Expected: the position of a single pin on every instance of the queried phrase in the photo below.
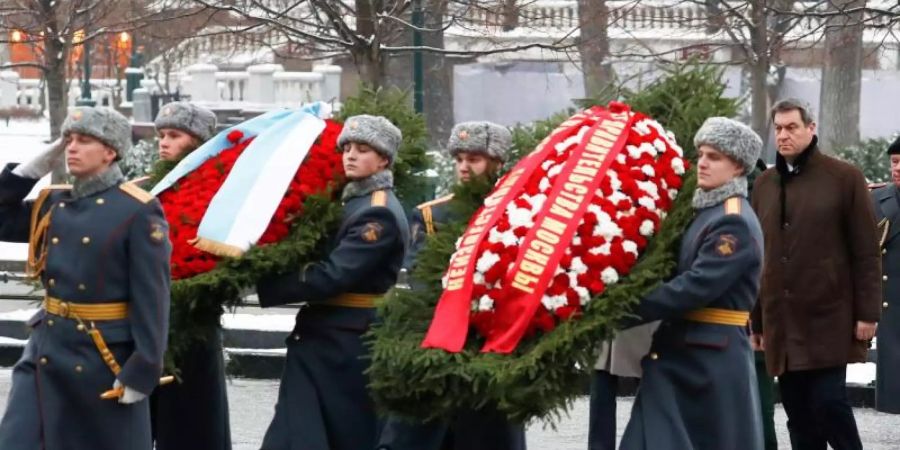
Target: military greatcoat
(323, 403)
(466, 430)
(106, 243)
(699, 385)
(887, 381)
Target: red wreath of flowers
(187, 200)
(626, 211)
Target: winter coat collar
(781, 163)
(705, 199)
(375, 182)
(91, 185)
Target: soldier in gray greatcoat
(101, 250)
(191, 413)
(479, 149)
(698, 389)
(887, 212)
(323, 403)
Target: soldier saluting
(101, 249)
(323, 403)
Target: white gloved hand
(43, 163)
(130, 395)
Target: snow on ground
(235, 321)
(862, 373)
(19, 315)
(20, 141)
(269, 322)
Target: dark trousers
(192, 414)
(602, 422)
(818, 409)
(766, 401)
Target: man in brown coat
(820, 296)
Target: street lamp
(418, 21)
(85, 100)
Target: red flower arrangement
(626, 210)
(185, 202)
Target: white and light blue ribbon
(241, 210)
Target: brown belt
(719, 316)
(86, 311)
(354, 300)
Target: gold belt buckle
(64, 309)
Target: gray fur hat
(187, 117)
(487, 138)
(732, 138)
(376, 131)
(105, 124)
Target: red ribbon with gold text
(450, 324)
(555, 226)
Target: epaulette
(379, 198)
(733, 205)
(58, 187)
(435, 202)
(139, 181)
(133, 190)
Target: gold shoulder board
(133, 190)
(379, 198)
(436, 201)
(733, 205)
(59, 187)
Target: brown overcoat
(822, 270)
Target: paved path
(252, 401)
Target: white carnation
(537, 202)
(621, 159)
(576, 240)
(649, 187)
(478, 278)
(552, 302)
(673, 193)
(659, 145)
(578, 265)
(678, 166)
(609, 276)
(487, 260)
(646, 228)
(642, 127)
(485, 303)
(494, 236)
(544, 185)
(631, 246)
(546, 165)
(607, 229)
(554, 171)
(601, 250)
(648, 170)
(584, 295)
(647, 202)
(509, 238)
(519, 217)
(648, 148)
(614, 181)
(633, 151)
(617, 196)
